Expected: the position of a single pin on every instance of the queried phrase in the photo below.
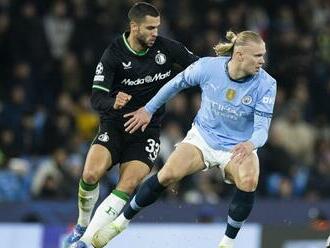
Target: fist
(121, 100)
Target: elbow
(259, 138)
(264, 139)
(94, 101)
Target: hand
(242, 150)
(121, 100)
(139, 118)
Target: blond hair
(240, 39)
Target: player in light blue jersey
(233, 121)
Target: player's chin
(151, 43)
(255, 71)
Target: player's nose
(262, 61)
(155, 33)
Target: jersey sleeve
(191, 76)
(262, 117)
(102, 83)
(181, 54)
(104, 73)
(265, 105)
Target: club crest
(246, 100)
(104, 137)
(160, 58)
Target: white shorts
(212, 158)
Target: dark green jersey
(138, 74)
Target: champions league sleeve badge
(99, 68)
(160, 58)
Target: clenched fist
(121, 100)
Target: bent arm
(261, 127)
(262, 117)
(101, 101)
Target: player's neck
(234, 71)
(135, 44)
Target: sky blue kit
(231, 111)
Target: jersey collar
(142, 53)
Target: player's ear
(239, 55)
(134, 26)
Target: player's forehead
(255, 47)
(150, 21)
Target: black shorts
(125, 147)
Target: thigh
(185, 160)
(97, 162)
(249, 168)
(110, 138)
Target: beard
(142, 41)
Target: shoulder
(173, 46)
(112, 51)
(222, 59)
(203, 67)
(114, 44)
(164, 41)
(266, 84)
(212, 62)
(266, 79)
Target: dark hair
(140, 10)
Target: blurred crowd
(48, 54)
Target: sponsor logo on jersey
(127, 65)
(160, 58)
(225, 110)
(99, 68)
(268, 99)
(230, 94)
(147, 79)
(104, 137)
(246, 100)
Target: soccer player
(232, 122)
(328, 242)
(131, 71)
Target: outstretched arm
(142, 116)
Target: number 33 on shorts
(152, 148)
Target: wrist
(251, 144)
(148, 110)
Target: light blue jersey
(231, 111)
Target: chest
(230, 98)
(153, 66)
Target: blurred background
(48, 54)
